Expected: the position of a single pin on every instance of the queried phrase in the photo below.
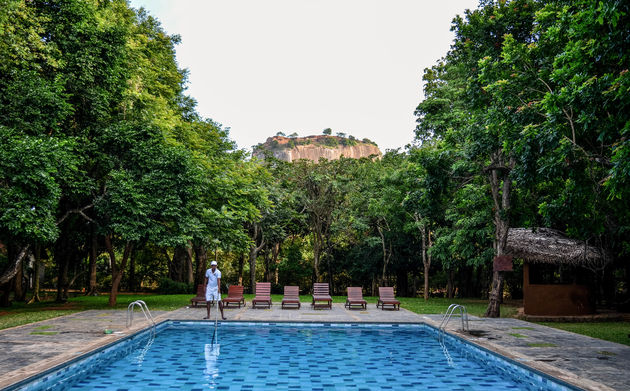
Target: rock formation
(315, 147)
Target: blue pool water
(182, 356)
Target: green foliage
(105, 141)
(33, 170)
(166, 286)
(294, 269)
(332, 142)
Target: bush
(167, 286)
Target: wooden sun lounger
(235, 296)
(355, 298)
(291, 296)
(386, 297)
(321, 293)
(263, 295)
(201, 296)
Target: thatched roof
(548, 245)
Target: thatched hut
(555, 271)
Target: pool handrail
(145, 310)
(449, 313)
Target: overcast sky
(355, 66)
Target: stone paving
(589, 363)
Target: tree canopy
(111, 179)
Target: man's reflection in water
(212, 352)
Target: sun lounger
(263, 295)
(235, 296)
(201, 296)
(321, 293)
(386, 297)
(355, 298)
(291, 296)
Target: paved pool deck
(588, 363)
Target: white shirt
(212, 279)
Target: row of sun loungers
(291, 298)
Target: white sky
(354, 66)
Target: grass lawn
(609, 331)
(21, 313)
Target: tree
(428, 177)
(484, 128)
(327, 131)
(322, 194)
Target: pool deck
(588, 363)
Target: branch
(13, 267)
(77, 211)
(570, 119)
(497, 167)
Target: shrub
(167, 286)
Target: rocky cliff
(315, 147)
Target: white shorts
(213, 295)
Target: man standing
(213, 288)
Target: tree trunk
(317, 248)
(501, 185)
(36, 266)
(386, 254)
(426, 256)
(402, 282)
(415, 286)
(13, 266)
(117, 270)
(190, 272)
(494, 306)
(267, 259)
(179, 266)
(201, 256)
(275, 251)
(449, 283)
(374, 285)
(92, 290)
(253, 253)
(62, 274)
(131, 283)
(19, 290)
(6, 293)
(241, 264)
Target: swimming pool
(284, 356)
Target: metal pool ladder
(145, 311)
(449, 313)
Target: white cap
(213, 263)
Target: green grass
(608, 331)
(21, 318)
(44, 333)
(21, 313)
(517, 335)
